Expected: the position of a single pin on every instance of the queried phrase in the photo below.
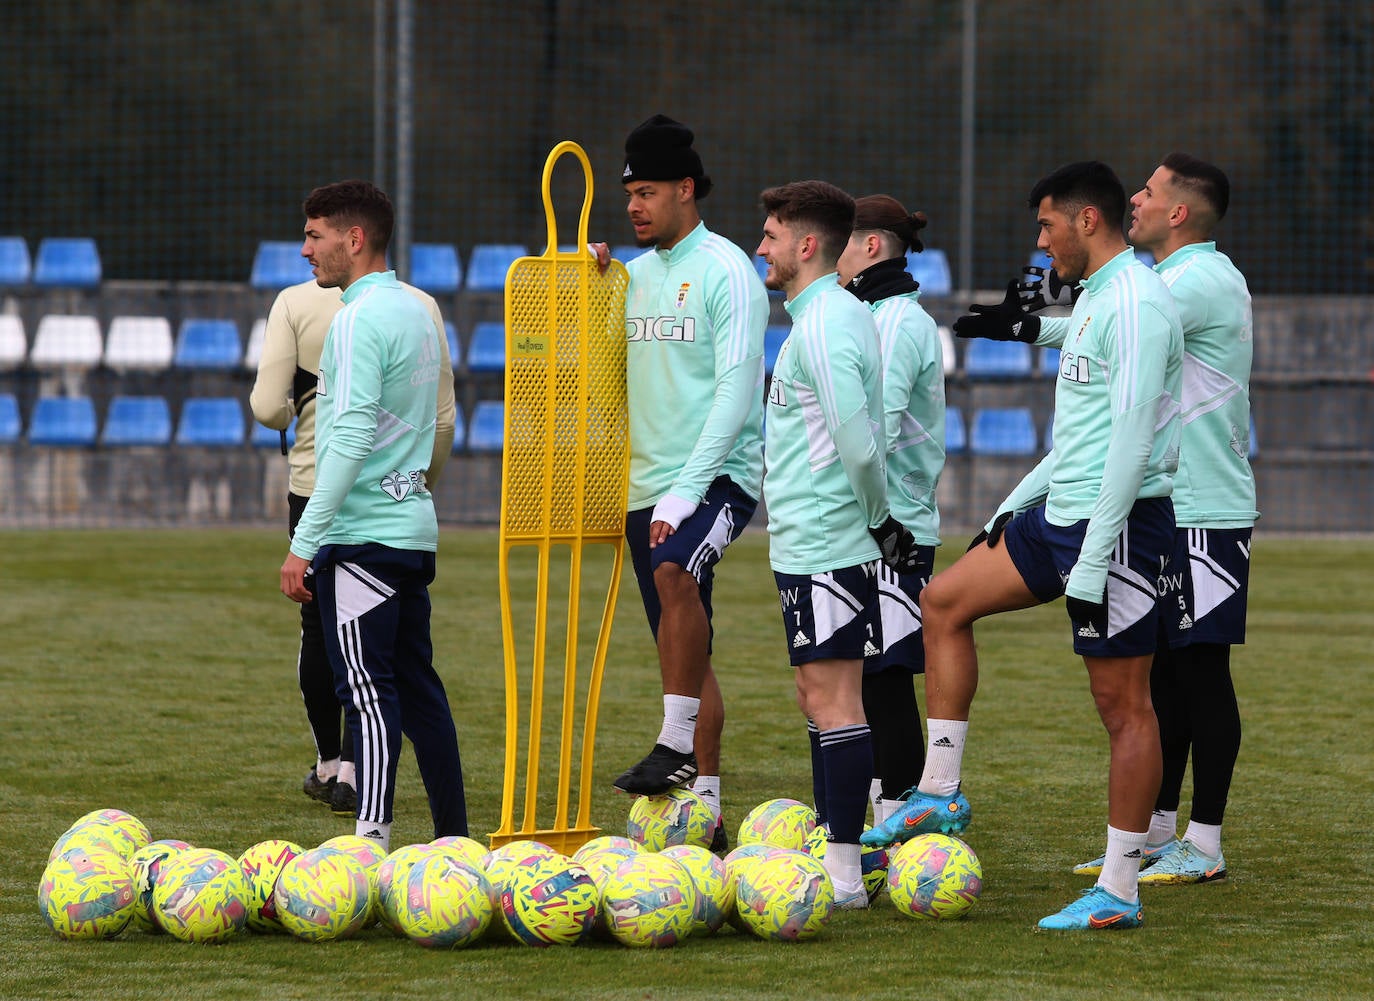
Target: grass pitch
(154, 671)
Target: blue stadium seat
(1049, 434)
(137, 420)
(1254, 450)
(1003, 431)
(1038, 259)
(489, 264)
(487, 349)
(62, 420)
(984, 359)
(451, 334)
(15, 266)
(10, 424)
(956, 436)
(211, 420)
(277, 264)
(435, 268)
(773, 336)
(460, 430)
(487, 431)
(208, 344)
(266, 437)
(1049, 362)
(931, 269)
(627, 252)
(67, 262)
(1145, 257)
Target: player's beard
(781, 274)
(332, 266)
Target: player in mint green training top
(364, 546)
(873, 268)
(826, 488)
(694, 315)
(1203, 591)
(1093, 521)
(1203, 595)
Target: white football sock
(1121, 865)
(679, 722)
(875, 796)
(348, 773)
(1206, 838)
(380, 833)
(326, 770)
(708, 788)
(891, 806)
(842, 862)
(944, 756)
(1163, 825)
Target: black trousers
(316, 677)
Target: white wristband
(673, 509)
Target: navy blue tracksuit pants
(374, 604)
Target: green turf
(154, 671)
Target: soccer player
(284, 389)
(695, 316)
(873, 267)
(826, 490)
(1203, 595)
(1092, 521)
(368, 534)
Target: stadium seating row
(133, 343)
(146, 343)
(220, 421)
(990, 360)
(215, 421)
(61, 262)
(436, 268)
(74, 262)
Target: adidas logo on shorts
(800, 640)
(1089, 632)
(1185, 622)
(870, 650)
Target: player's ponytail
(883, 212)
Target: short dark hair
(1203, 179)
(816, 203)
(1075, 186)
(354, 203)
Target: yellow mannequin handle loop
(567, 146)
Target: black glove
(898, 546)
(1043, 286)
(1007, 321)
(1087, 614)
(990, 537)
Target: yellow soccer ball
(201, 896)
(86, 894)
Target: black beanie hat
(660, 149)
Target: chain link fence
(178, 139)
